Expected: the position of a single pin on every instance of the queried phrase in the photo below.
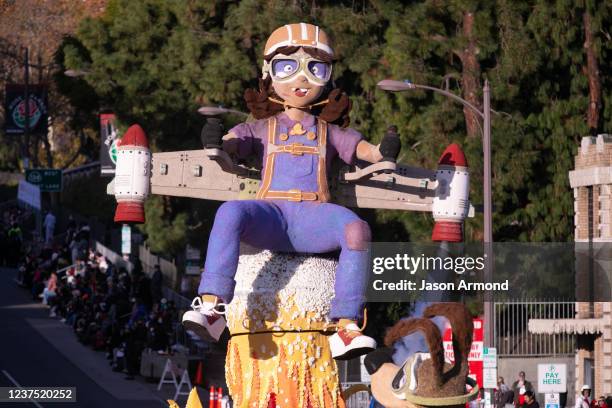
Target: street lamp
(485, 115)
(218, 110)
(75, 73)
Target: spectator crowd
(522, 395)
(11, 236)
(109, 308)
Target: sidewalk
(92, 364)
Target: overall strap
(296, 149)
(269, 159)
(324, 195)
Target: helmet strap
(287, 105)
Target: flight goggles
(283, 68)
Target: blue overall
(291, 226)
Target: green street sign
(49, 180)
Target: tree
(156, 61)
(40, 27)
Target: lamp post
(75, 73)
(218, 110)
(485, 115)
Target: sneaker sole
(353, 353)
(199, 330)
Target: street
(38, 351)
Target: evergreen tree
(156, 61)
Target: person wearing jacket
(584, 400)
(519, 388)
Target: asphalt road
(29, 359)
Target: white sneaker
(205, 319)
(348, 343)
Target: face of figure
(586, 393)
(521, 376)
(528, 399)
(299, 79)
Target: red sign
(16, 112)
(475, 356)
(108, 147)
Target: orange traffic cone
(219, 397)
(272, 400)
(198, 380)
(212, 398)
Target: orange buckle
(297, 195)
(294, 195)
(294, 149)
(298, 149)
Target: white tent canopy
(569, 326)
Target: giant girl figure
(301, 127)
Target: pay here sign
(552, 378)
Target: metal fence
(168, 269)
(359, 397)
(512, 337)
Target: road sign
(126, 239)
(49, 180)
(552, 378)
(487, 399)
(476, 353)
(365, 376)
(489, 358)
(192, 260)
(489, 377)
(551, 400)
(192, 267)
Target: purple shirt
(254, 138)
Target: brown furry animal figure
(427, 381)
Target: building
(591, 181)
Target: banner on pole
(29, 194)
(15, 109)
(108, 147)
(475, 358)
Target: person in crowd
(584, 400)
(38, 283)
(50, 289)
(156, 284)
(3, 244)
(14, 241)
(503, 394)
(530, 401)
(519, 388)
(601, 402)
(49, 226)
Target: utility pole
(489, 306)
(26, 135)
(485, 115)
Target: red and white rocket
(132, 176)
(451, 203)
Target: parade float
(291, 308)
(426, 379)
